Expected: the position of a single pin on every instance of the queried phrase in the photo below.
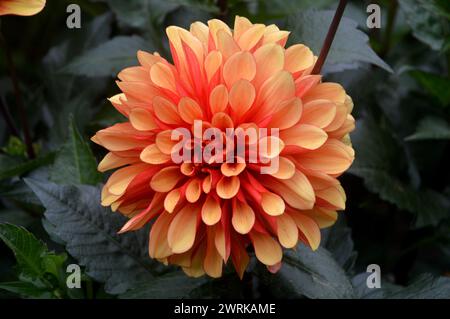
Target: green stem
(387, 40)
(19, 100)
(8, 119)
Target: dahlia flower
(21, 7)
(202, 212)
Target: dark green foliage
(398, 189)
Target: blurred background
(398, 189)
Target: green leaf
(75, 163)
(66, 94)
(108, 58)
(377, 162)
(90, 233)
(26, 248)
(338, 241)
(350, 47)
(26, 289)
(139, 13)
(314, 274)
(431, 128)
(427, 21)
(13, 166)
(170, 286)
(436, 85)
(424, 287)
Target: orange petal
(272, 204)
(296, 191)
(226, 44)
(227, 187)
(241, 65)
(196, 268)
(305, 136)
(152, 155)
(182, 230)
(287, 115)
(269, 60)
(270, 146)
(334, 196)
(172, 199)
(232, 169)
(142, 120)
(193, 191)
(218, 99)
(189, 110)
(287, 231)
(166, 111)
(165, 142)
(166, 179)
(339, 118)
(141, 91)
(222, 121)
(211, 211)
(243, 217)
(162, 76)
(120, 179)
(298, 57)
(326, 91)
(308, 228)
(242, 96)
(241, 24)
(200, 31)
(213, 261)
(134, 74)
(112, 160)
(331, 158)
(147, 59)
(323, 217)
(159, 246)
(21, 7)
(215, 25)
(213, 62)
(286, 169)
(267, 250)
(278, 87)
(251, 37)
(319, 113)
(121, 137)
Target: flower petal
(287, 231)
(240, 65)
(211, 211)
(227, 187)
(183, 228)
(267, 250)
(166, 179)
(243, 217)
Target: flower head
(21, 7)
(206, 210)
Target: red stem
(330, 36)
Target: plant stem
(8, 119)
(19, 100)
(387, 40)
(330, 36)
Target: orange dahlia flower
(204, 212)
(21, 7)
